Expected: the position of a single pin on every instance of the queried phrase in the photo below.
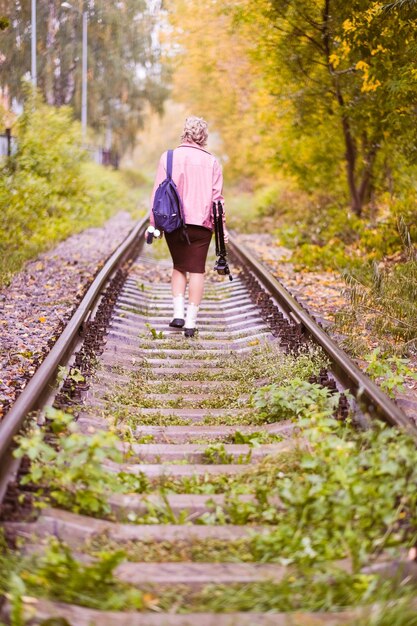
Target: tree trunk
(69, 87)
(52, 29)
(350, 156)
(365, 189)
(350, 144)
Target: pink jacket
(199, 179)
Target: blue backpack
(168, 211)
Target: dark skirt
(189, 258)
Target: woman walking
(199, 179)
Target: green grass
(57, 575)
(202, 551)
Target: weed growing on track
(68, 467)
(401, 613)
(390, 372)
(198, 551)
(341, 494)
(253, 439)
(246, 371)
(244, 418)
(57, 575)
(353, 496)
(296, 397)
(344, 494)
(216, 453)
(253, 479)
(299, 590)
(348, 494)
(154, 333)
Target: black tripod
(221, 266)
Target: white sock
(178, 307)
(192, 312)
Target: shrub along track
(188, 465)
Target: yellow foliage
(345, 49)
(379, 48)
(362, 65)
(348, 26)
(369, 83)
(374, 10)
(216, 74)
(258, 72)
(334, 60)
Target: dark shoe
(190, 332)
(177, 323)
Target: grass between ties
(341, 500)
(236, 379)
(58, 575)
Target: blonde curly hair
(195, 131)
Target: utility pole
(84, 65)
(84, 78)
(34, 75)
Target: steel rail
(39, 385)
(371, 399)
(369, 396)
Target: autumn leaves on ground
(311, 108)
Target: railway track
(179, 463)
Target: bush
(48, 189)
(330, 237)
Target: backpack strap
(176, 199)
(170, 158)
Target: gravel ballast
(41, 298)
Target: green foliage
(254, 439)
(216, 453)
(16, 590)
(48, 189)
(390, 372)
(386, 296)
(307, 591)
(70, 471)
(297, 398)
(394, 292)
(334, 86)
(56, 574)
(4, 22)
(325, 237)
(270, 204)
(400, 613)
(264, 361)
(352, 496)
(154, 333)
(348, 495)
(330, 256)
